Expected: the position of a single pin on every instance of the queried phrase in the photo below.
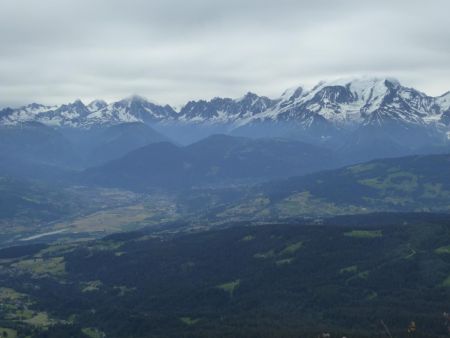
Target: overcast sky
(172, 51)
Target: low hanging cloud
(172, 51)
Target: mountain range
(337, 104)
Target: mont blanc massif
(323, 212)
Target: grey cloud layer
(171, 51)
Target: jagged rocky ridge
(340, 104)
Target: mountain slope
(36, 142)
(156, 165)
(217, 159)
(117, 140)
(415, 183)
(25, 204)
